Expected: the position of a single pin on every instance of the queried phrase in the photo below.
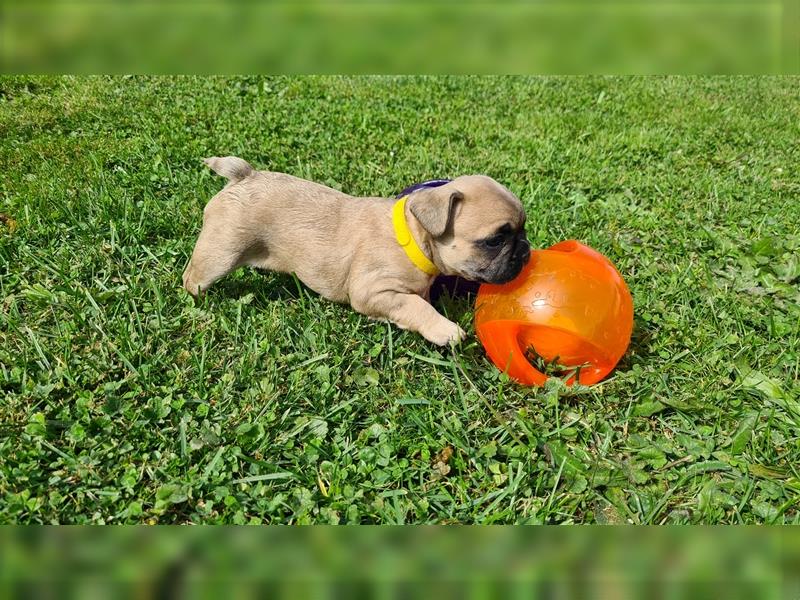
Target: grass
(123, 401)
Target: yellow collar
(406, 240)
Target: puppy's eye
(495, 241)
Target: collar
(431, 183)
(406, 240)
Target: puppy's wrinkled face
(477, 227)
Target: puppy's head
(476, 228)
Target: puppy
(378, 254)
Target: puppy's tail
(232, 167)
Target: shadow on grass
(640, 349)
(452, 296)
(266, 287)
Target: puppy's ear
(434, 209)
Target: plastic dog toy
(568, 312)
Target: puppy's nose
(523, 246)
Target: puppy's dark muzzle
(520, 255)
(522, 250)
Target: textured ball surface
(569, 306)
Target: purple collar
(425, 184)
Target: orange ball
(569, 306)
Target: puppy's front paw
(444, 332)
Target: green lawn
(122, 401)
